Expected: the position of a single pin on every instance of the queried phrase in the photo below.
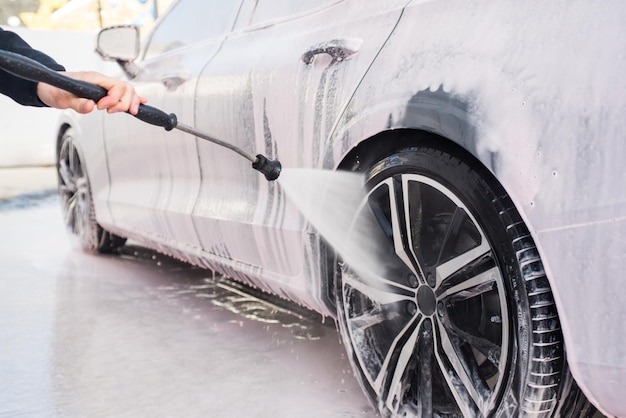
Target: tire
(76, 201)
(462, 322)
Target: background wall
(27, 135)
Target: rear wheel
(76, 201)
(462, 323)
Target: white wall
(27, 135)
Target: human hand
(121, 96)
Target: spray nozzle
(269, 168)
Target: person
(121, 96)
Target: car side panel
(155, 175)
(261, 94)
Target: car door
(277, 87)
(154, 174)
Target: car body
(528, 96)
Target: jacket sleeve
(20, 90)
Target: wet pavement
(139, 334)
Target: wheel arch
(398, 122)
(368, 131)
(390, 141)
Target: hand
(121, 96)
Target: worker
(121, 96)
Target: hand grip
(156, 117)
(32, 70)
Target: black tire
(76, 201)
(462, 321)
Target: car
(478, 267)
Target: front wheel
(76, 201)
(462, 321)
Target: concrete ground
(17, 181)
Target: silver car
(489, 137)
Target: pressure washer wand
(32, 70)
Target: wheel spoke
(452, 235)
(70, 212)
(379, 290)
(457, 376)
(398, 355)
(373, 315)
(64, 190)
(407, 199)
(378, 213)
(447, 269)
(67, 177)
(399, 369)
(399, 222)
(367, 319)
(425, 388)
(73, 160)
(472, 287)
(484, 346)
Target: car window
(191, 21)
(271, 9)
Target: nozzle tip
(270, 168)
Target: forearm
(20, 90)
(121, 96)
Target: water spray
(32, 70)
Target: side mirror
(119, 43)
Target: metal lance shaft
(270, 168)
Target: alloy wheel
(73, 188)
(431, 336)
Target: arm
(20, 90)
(121, 96)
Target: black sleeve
(20, 90)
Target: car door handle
(338, 49)
(174, 80)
